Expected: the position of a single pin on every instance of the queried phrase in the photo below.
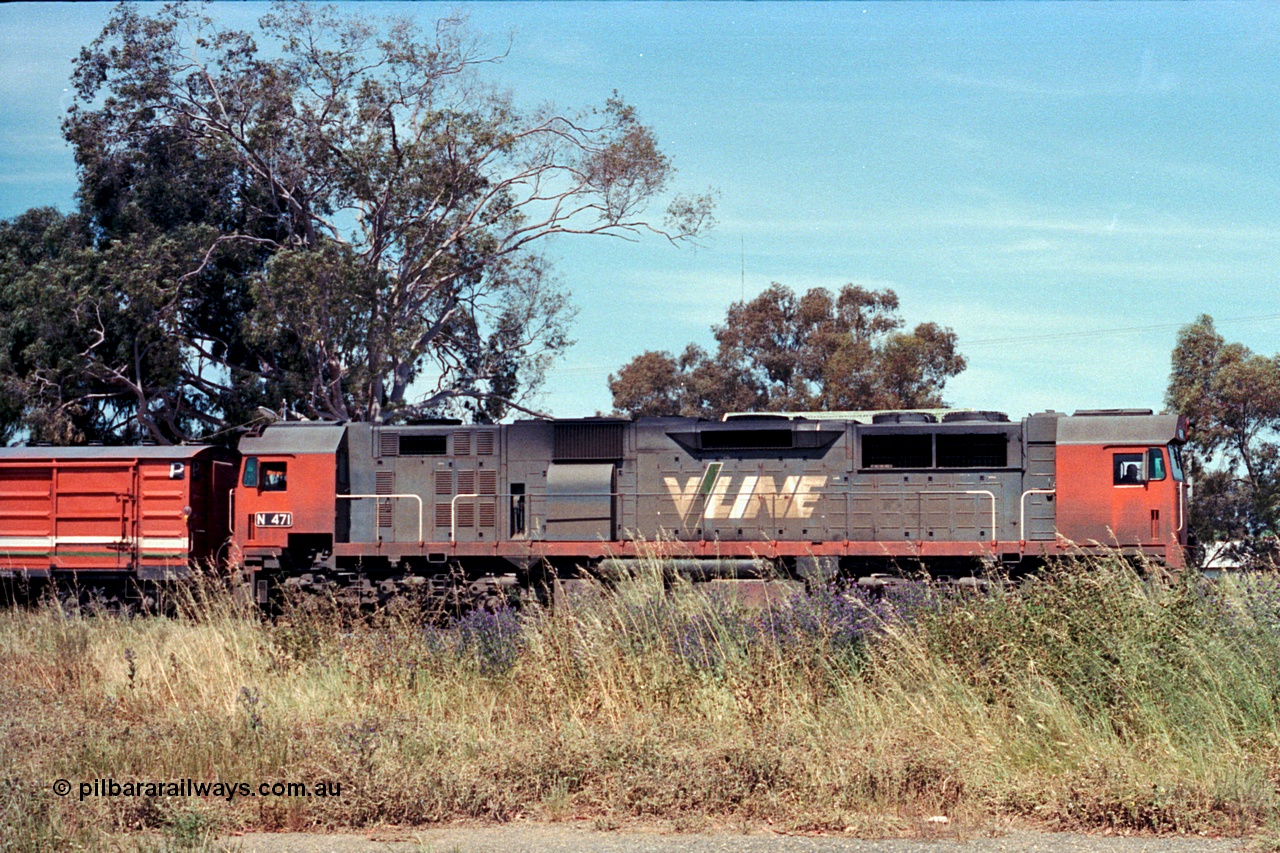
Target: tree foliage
(345, 218)
(1231, 396)
(784, 352)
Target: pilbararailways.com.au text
(191, 788)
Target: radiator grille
(442, 515)
(488, 514)
(466, 514)
(589, 442)
(466, 482)
(487, 482)
(444, 483)
(484, 443)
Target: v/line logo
(754, 495)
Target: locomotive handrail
(907, 493)
(1180, 519)
(453, 513)
(1022, 510)
(533, 499)
(417, 498)
(986, 492)
(453, 504)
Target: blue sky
(1063, 184)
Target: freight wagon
(100, 514)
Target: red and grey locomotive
(445, 506)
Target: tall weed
(1091, 696)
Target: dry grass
(1086, 699)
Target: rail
(772, 512)
(904, 493)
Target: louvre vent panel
(484, 443)
(385, 484)
(444, 483)
(466, 514)
(487, 482)
(488, 514)
(466, 482)
(442, 515)
(389, 443)
(461, 443)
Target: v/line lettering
(754, 496)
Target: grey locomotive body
(506, 504)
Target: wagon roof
(181, 451)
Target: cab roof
(1121, 428)
(294, 438)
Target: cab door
(1140, 503)
(264, 500)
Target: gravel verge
(516, 838)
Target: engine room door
(580, 503)
(224, 481)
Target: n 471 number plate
(273, 519)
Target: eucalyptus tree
(786, 352)
(1231, 396)
(335, 211)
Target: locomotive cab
(1121, 483)
(285, 497)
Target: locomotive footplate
(532, 551)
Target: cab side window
(1155, 464)
(274, 477)
(250, 472)
(1126, 469)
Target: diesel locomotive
(473, 511)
